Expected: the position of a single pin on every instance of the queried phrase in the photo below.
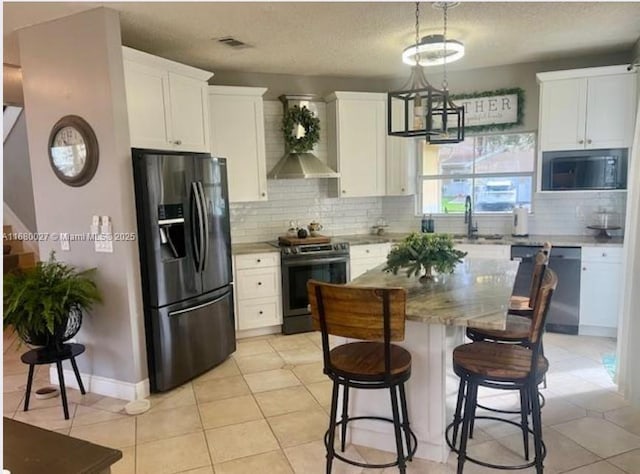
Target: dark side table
(48, 355)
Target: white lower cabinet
(366, 257)
(600, 294)
(258, 290)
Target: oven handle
(313, 261)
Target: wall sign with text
(492, 110)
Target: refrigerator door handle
(200, 306)
(196, 229)
(205, 221)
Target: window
(496, 170)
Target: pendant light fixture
(419, 109)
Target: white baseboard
(601, 331)
(9, 218)
(103, 385)
(259, 332)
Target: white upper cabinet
(237, 133)
(166, 102)
(587, 108)
(357, 132)
(401, 160)
(611, 105)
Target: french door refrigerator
(185, 258)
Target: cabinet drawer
(257, 283)
(260, 312)
(370, 250)
(601, 254)
(258, 260)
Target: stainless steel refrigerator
(185, 251)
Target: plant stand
(51, 355)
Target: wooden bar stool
(504, 367)
(520, 308)
(375, 316)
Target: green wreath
(303, 116)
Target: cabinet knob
(367, 250)
(258, 260)
(259, 283)
(581, 142)
(589, 141)
(604, 254)
(177, 142)
(260, 312)
(344, 192)
(402, 189)
(584, 269)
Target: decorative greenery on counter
(300, 116)
(418, 252)
(39, 301)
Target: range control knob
(345, 246)
(285, 251)
(294, 250)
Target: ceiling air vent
(232, 42)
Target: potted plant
(420, 254)
(44, 304)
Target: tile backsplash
(566, 213)
(304, 200)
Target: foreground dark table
(32, 450)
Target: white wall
(73, 65)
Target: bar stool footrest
(408, 457)
(487, 464)
(511, 412)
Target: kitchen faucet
(468, 219)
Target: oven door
(297, 271)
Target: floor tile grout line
(204, 433)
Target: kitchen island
(475, 295)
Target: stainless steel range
(327, 262)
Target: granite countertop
(556, 240)
(365, 239)
(475, 295)
(253, 247)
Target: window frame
(421, 177)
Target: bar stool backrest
(540, 310)
(357, 312)
(539, 268)
(370, 314)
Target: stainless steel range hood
(300, 165)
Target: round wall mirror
(73, 150)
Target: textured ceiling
(349, 39)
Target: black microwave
(577, 170)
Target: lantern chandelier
(419, 109)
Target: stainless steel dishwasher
(564, 312)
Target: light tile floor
(265, 409)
